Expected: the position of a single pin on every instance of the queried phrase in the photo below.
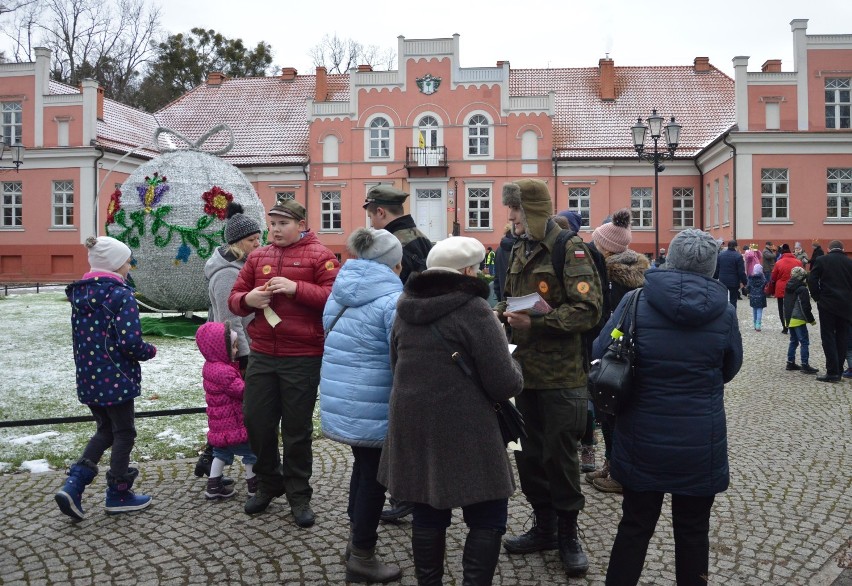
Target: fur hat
(575, 220)
(289, 208)
(454, 254)
(756, 270)
(107, 253)
(533, 199)
(615, 236)
(695, 251)
(377, 245)
(798, 273)
(239, 225)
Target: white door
(429, 212)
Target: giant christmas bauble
(171, 213)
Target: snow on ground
(33, 439)
(36, 466)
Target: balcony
(422, 161)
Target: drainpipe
(95, 171)
(733, 184)
(555, 181)
(307, 186)
(700, 192)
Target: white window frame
(683, 205)
(641, 207)
(838, 102)
(330, 149)
(379, 137)
(716, 203)
(529, 145)
(580, 200)
(62, 208)
(707, 206)
(479, 206)
(482, 134)
(331, 215)
(774, 190)
(11, 204)
(11, 123)
(726, 185)
(839, 193)
(285, 194)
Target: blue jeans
(485, 515)
(799, 336)
(757, 312)
(227, 454)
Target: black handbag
(508, 417)
(611, 376)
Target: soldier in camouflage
(550, 351)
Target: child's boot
(119, 496)
(808, 369)
(758, 326)
(70, 497)
(216, 489)
(202, 467)
(251, 485)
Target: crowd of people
(409, 359)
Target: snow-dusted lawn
(37, 381)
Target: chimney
(607, 74)
(289, 73)
(364, 68)
(702, 64)
(321, 93)
(215, 78)
(771, 66)
(100, 106)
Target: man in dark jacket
(830, 283)
(730, 270)
(501, 261)
(550, 351)
(384, 206)
(769, 256)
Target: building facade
(766, 156)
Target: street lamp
(17, 151)
(672, 132)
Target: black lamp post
(672, 132)
(17, 151)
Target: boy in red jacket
(286, 285)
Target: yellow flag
(422, 140)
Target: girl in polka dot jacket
(108, 346)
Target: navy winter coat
(730, 269)
(672, 436)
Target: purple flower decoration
(152, 191)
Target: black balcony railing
(426, 157)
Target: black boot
(481, 552)
(428, 546)
(202, 467)
(398, 509)
(574, 560)
(541, 537)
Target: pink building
(766, 156)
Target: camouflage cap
(289, 208)
(385, 195)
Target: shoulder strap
(634, 301)
(331, 326)
(557, 256)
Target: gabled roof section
(587, 127)
(57, 88)
(268, 116)
(124, 129)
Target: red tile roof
(124, 128)
(586, 126)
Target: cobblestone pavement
(784, 520)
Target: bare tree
(340, 55)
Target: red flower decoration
(216, 202)
(113, 206)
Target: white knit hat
(454, 254)
(107, 253)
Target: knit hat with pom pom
(378, 245)
(238, 225)
(615, 236)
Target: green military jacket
(551, 351)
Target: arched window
(478, 136)
(379, 138)
(429, 131)
(529, 145)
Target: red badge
(583, 287)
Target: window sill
(838, 221)
(12, 229)
(479, 229)
(330, 232)
(783, 222)
(62, 229)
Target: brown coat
(443, 445)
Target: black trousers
(366, 497)
(691, 524)
(116, 429)
(833, 331)
(780, 301)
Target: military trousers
(280, 394)
(548, 463)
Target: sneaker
(808, 369)
(251, 485)
(785, 331)
(216, 489)
(587, 458)
(398, 510)
(607, 485)
(793, 366)
(304, 515)
(603, 472)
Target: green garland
(204, 242)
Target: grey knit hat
(695, 251)
(378, 245)
(238, 225)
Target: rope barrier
(84, 418)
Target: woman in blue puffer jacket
(356, 381)
(671, 437)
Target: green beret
(385, 195)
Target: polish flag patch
(579, 254)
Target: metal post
(656, 201)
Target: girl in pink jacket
(223, 390)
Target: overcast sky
(531, 33)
